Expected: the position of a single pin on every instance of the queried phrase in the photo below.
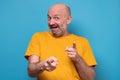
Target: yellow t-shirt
(43, 44)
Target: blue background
(97, 20)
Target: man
(57, 54)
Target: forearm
(34, 69)
(85, 72)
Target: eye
(56, 18)
(49, 18)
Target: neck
(66, 34)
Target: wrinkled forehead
(57, 10)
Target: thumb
(74, 45)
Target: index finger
(49, 62)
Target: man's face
(57, 21)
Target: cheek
(61, 23)
(64, 24)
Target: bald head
(62, 7)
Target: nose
(51, 22)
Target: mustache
(54, 26)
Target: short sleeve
(33, 47)
(88, 54)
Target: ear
(69, 19)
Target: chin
(57, 35)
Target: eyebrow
(54, 15)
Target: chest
(56, 48)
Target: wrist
(77, 60)
(41, 66)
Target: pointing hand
(50, 63)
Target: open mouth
(54, 28)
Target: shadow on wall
(76, 28)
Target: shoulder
(40, 35)
(37, 34)
(82, 41)
(80, 38)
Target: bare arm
(85, 72)
(36, 67)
